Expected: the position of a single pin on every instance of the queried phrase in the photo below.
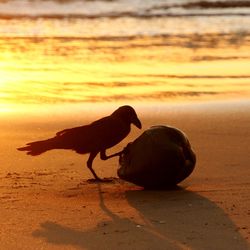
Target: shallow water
(123, 51)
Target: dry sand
(47, 203)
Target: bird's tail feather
(38, 147)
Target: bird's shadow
(173, 219)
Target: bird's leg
(89, 164)
(105, 157)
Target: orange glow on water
(69, 70)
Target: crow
(93, 138)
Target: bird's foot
(99, 180)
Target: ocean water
(72, 51)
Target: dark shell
(159, 158)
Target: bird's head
(128, 114)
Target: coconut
(159, 158)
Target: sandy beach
(47, 202)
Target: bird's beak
(137, 123)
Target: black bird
(93, 138)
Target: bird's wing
(74, 138)
(74, 130)
(99, 135)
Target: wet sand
(47, 202)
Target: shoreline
(104, 108)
